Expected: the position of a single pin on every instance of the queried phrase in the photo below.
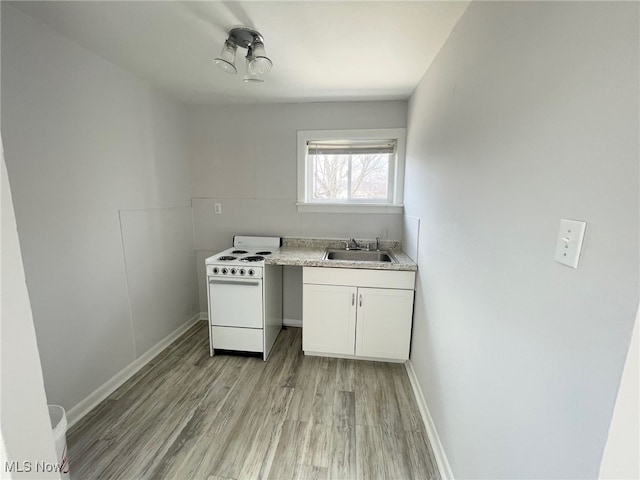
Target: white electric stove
(244, 296)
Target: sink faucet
(377, 243)
(351, 244)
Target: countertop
(311, 256)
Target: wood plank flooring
(186, 416)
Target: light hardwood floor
(186, 415)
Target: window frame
(394, 204)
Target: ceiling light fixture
(257, 61)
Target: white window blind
(351, 147)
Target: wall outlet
(569, 244)
(217, 208)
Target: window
(351, 170)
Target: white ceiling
(321, 50)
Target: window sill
(349, 208)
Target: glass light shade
(260, 63)
(227, 58)
(252, 77)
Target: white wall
(528, 115)
(25, 431)
(244, 157)
(86, 143)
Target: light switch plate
(569, 244)
(217, 208)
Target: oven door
(235, 302)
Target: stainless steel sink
(360, 255)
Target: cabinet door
(384, 323)
(328, 319)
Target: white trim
(432, 433)
(292, 322)
(83, 407)
(349, 208)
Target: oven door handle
(233, 282)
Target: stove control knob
(233, 271)
(251, 272)
(224, 271)
(216, 270)
(242, 271)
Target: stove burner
(263, 253)
(226, 258)
(239, 251)
(252, 258)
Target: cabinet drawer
(359, 277)
(232, 338)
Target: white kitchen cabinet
(357, 313)
(329, 318)
(384, 323)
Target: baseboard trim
(204, 316)
(432, 433)
(291, 322)
(76, 413)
